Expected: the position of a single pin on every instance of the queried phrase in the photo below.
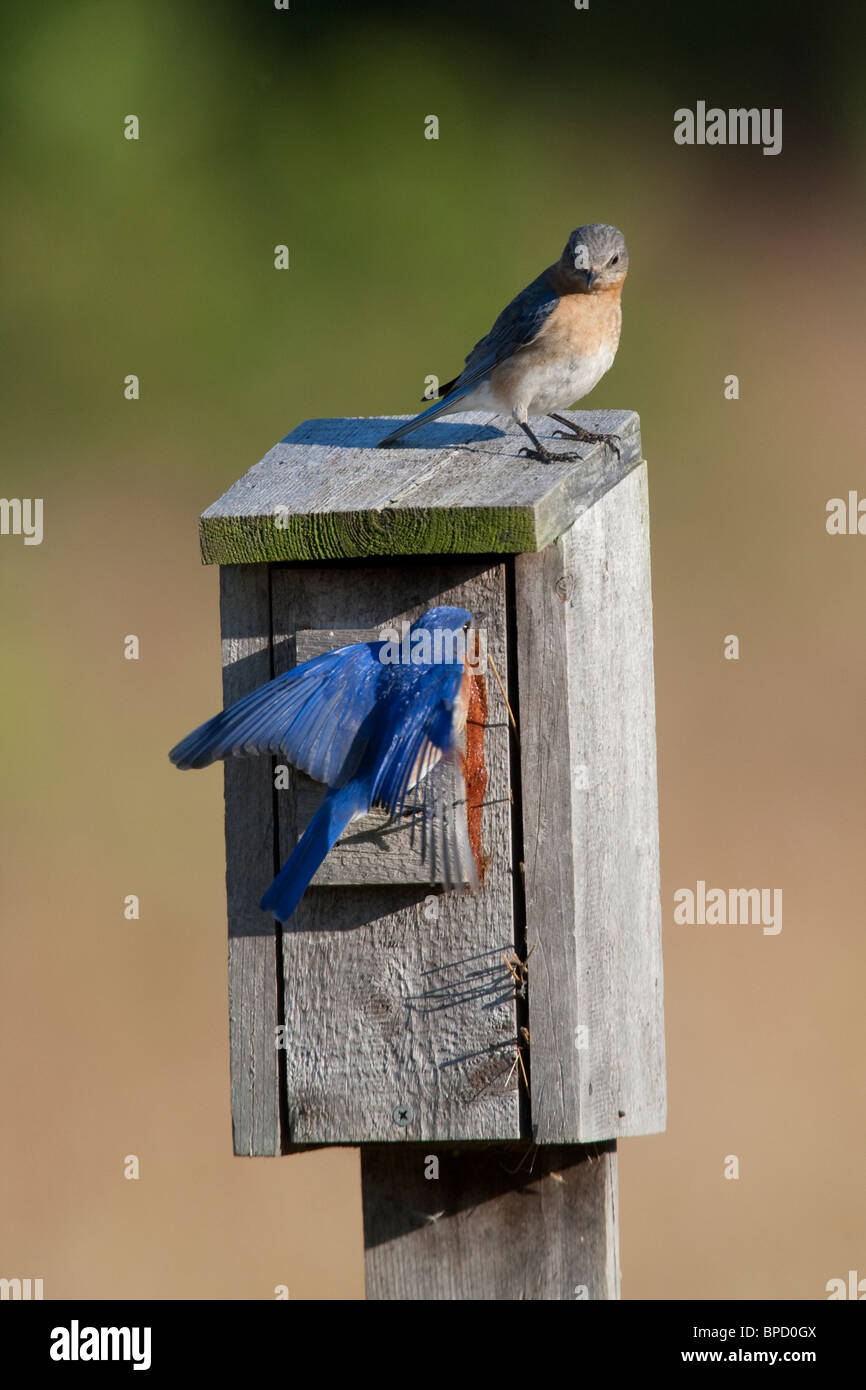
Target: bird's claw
(614, 441)
(527, 453)
(542, 456)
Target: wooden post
(486, 1096)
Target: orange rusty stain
(475, 770)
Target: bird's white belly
(536, 388)
(555, 385)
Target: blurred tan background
(155, 257)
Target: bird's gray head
(595, 257)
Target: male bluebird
(549, 347)
(371, 720)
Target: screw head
(564, 587)
(402, 1115)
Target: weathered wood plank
(590, 814)
(398, 996)
(458, 487)
(500, 1222)
(249, 823)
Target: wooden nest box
(512, 1036)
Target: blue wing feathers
(427, 715)
(517, 325)
(311, 714)
(372, 732)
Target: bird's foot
(542, 455)
(588, 436)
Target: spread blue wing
(312, 715)
(420, 754)
(419, 726)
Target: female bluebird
(371, 720)
(549, 347)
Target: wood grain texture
(590, 815)
(395, 995)
(249, 823)
(457, 487)
(501, 1222)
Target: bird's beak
(590, 276)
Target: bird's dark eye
(613, 260)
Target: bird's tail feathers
(323, 832)
(445, 389)
(442, 407)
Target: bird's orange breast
(583, 323)
(572, 350)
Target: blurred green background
(155, 257)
